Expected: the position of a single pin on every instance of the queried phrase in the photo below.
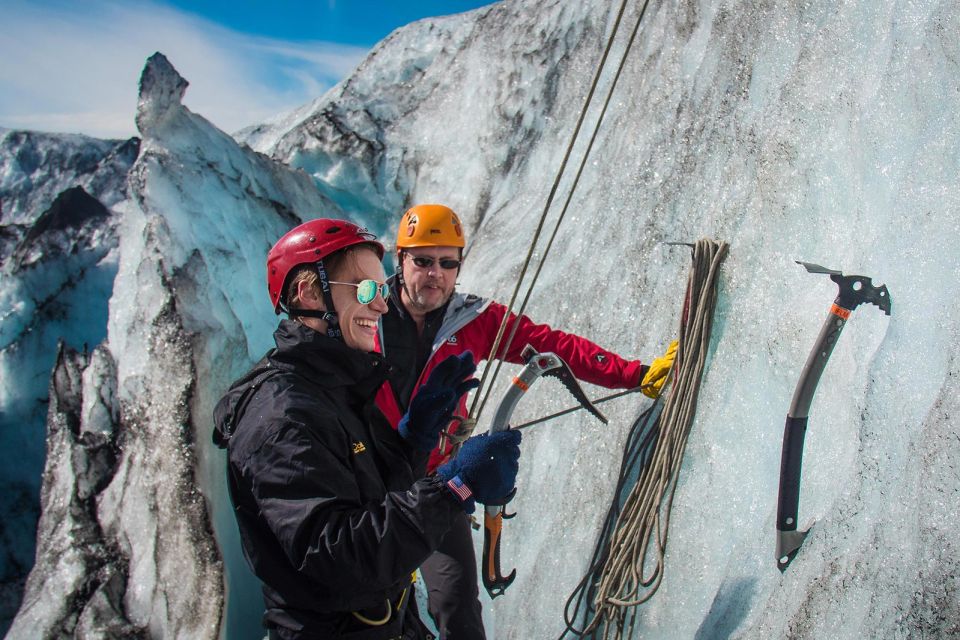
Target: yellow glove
(657, 372)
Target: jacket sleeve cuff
(460, 491)
(643, 373)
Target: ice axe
(538, 365)
(854, 291)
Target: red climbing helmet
(311, 242)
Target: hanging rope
(486, 387)
(635, 532)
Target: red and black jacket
(471, 323)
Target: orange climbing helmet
(430, 225)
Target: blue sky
(73, 66)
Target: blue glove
(485, 469)
(434, 402)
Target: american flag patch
(461, 490)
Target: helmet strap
(330, 315)
(400, 255)
(403, 284)
(313, 313)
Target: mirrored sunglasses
(445, 263)
(367, 290)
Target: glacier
(59, 198)
(823, 132)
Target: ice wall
(58, 197)
(193, 253)
(821, 132)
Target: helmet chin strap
(314, 313)
(333, 322)
(403, 284)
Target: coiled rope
(619, 578)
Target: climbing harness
(538, 365)
(605, 601)
(483, 392)
(393, 612)
(854, 291)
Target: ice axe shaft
(854, 291)
(537, 366)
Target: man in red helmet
(332, 517)
(429, 321)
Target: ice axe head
(854, 290)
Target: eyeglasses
(367, 290)
(445, 263)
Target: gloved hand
(485, 469)
(652, 382)
(432, 406)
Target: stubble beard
(420, 303)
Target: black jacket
(330, 516)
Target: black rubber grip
(791, 460)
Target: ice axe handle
(791, 457)
(788, 503)
(495, 583)
(790, 463)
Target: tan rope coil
(626, 579)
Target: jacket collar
(329, 363)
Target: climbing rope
(635, 532)
(483, 392)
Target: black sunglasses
(445, 263)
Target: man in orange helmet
(429, 321)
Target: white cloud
(75, 69)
